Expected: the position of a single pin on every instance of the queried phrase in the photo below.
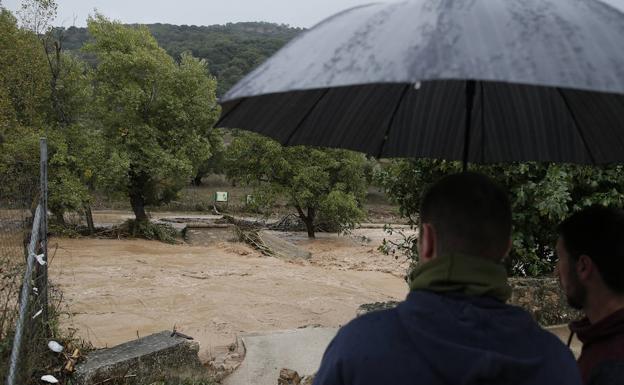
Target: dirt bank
(117, 288)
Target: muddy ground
(115, 290)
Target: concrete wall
(543, 298)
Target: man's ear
(427, 242)
(584, 268)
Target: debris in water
(176, 333)
(71, 361)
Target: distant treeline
(231, 50)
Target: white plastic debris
(49, 379)
(37, 314)
(55, 346)
(35, 290)
(39, 258)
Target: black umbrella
(471, 80)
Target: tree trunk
(89, 217)
(138, 206)
(135, 193)
(308, 220)
(197, 180)
(54, 62)
(310, 228)
(60, 218)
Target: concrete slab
(144, 358)
(267, 354)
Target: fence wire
(20, 187)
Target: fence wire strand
(20, 187)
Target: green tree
(64, 93)
(24, 91)
(215, 164)
(24, 96)
(323, 186)
(542, 195)
(154, 113)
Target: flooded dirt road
(116, 289)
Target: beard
(576, 293)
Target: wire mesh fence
(22, 287)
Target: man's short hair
(470, 215)
(598, 232)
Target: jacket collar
(607, 327)
(462, 274)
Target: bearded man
(591, 272)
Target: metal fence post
(43, 179)
(24, 299)
(37, 245)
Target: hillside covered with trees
(129, 113)
(231, 50)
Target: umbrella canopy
(471, 80)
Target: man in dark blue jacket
(454, 327)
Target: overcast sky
(297, 13)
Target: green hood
(462, 274)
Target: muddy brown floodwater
(116, 289)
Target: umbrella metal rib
(385, 138)
(577, 125)
(470, 93)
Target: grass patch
(36, 359)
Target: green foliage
(67, 190)
(24, 94)
(405, 246)
(340, 209)
(406, 180)
(138, 124)
(231, 50)
(216, 163)
(322, 185)
(154, 113)
(33, 104)
(24, 79)
(19, 171)
(542, 195)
